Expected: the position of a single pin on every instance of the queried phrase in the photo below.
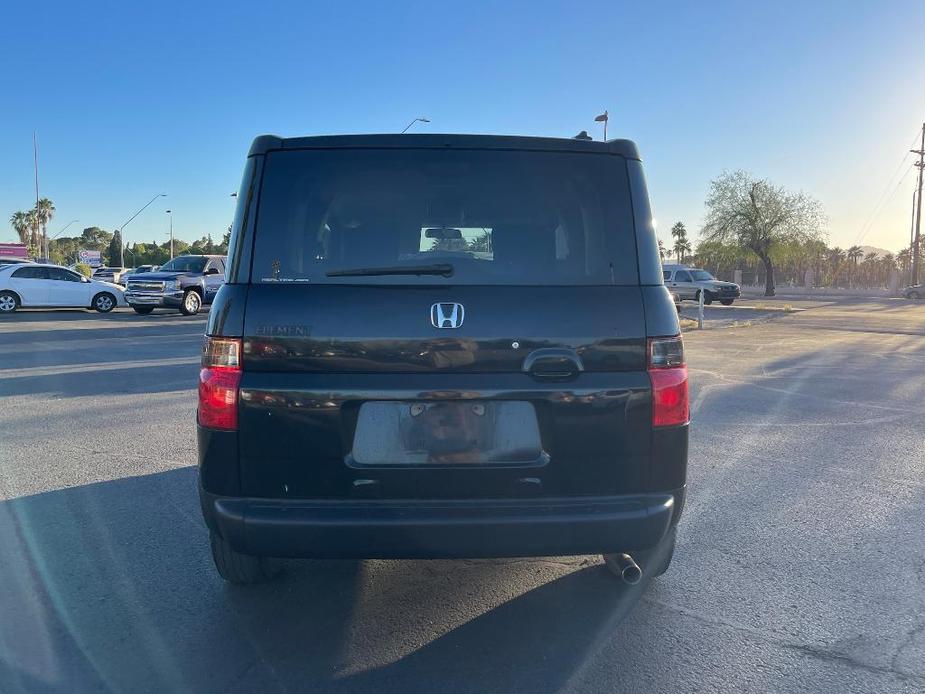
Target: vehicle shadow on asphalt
(534, 642)
(111, 586)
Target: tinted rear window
(31, 273)
(498, 217)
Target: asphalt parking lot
(801, 564)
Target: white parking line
(86, 368)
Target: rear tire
(104, 302)
(9, 302)
(726, 302)
(242, 569)
(192, 302)
(653, 562)
(143, 310)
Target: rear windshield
(491, 217)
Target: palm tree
(21, 225)
(816, 251)
(870, 272)
(681, 248)
(45, 210)
(33, 218)
(679, 234)
(903, 259)
(853, 254)
(836, 257)
(888, 266)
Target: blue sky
(131, 99)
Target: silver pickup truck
(186, 283)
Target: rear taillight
(218, 383)
(668, 373)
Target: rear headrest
(528, 246)
(368, 246)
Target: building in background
(17, 251)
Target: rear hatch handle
(553, 364)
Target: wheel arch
(99, 293)
(15, 295)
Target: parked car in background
(689, 282)
(33, 285)
(185, 283)
(109, 273)
(13, 261)
(677, 301)
(916, 291)
(140, 270)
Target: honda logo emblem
(447, 315)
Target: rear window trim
(264, 144)
(551, 150)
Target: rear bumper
(441, 529)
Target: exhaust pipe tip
(624, 566)
(632, 574)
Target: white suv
(688, 282)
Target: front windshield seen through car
(185, 263)
(701, 275)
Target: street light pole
(121, 244)
(170, 212)
(416, 120)
(49, 240)
(73, 221)
(35, 160)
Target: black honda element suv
(442, 346)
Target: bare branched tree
(755, 215)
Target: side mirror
(85, 279)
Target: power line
(886, 201)
(881, 200)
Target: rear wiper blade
(443, 269)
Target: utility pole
(918, 211)
(912, 234)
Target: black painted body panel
(313, 353)
(387, 329)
